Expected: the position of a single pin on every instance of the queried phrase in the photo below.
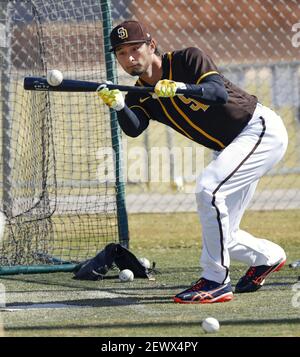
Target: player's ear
(152, 46)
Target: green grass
(145, 308)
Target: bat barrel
(72, 85)
(67, 85)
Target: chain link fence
(256, 45)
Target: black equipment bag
(97, 267)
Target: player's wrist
(120, 103)
(180, 85)
(168, 88)
(112, 98)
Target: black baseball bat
(74, 85)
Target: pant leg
(255, 151)
(243, 246)
(255, 251)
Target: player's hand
(113, 98)
(167, 88)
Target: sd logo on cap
(129, 32)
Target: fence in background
(255, 46)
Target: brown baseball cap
(128, 32)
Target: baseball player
(247, 139)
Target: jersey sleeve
(135, 102)
(198, 65)
(133, 124)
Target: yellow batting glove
(167, 88)
(113, 98)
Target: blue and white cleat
(205, 292)
(255, 277)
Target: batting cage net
(62, 184)
(59, 205)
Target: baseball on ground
(210, 324)
(54, 77)
(126, 275)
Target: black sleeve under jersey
(132, 123)
(212, 90)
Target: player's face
(135, 59)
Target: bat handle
(131, 88)
(136, 89)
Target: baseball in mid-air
(54, 77)
(126, 275)
(145, 262)
(210, 324)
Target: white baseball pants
(225, 189)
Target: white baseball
(126, 275)
(145, 262)
(210, 324)
(54, 77)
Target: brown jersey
(214, 126)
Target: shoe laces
(199, 284)
(251, 272)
